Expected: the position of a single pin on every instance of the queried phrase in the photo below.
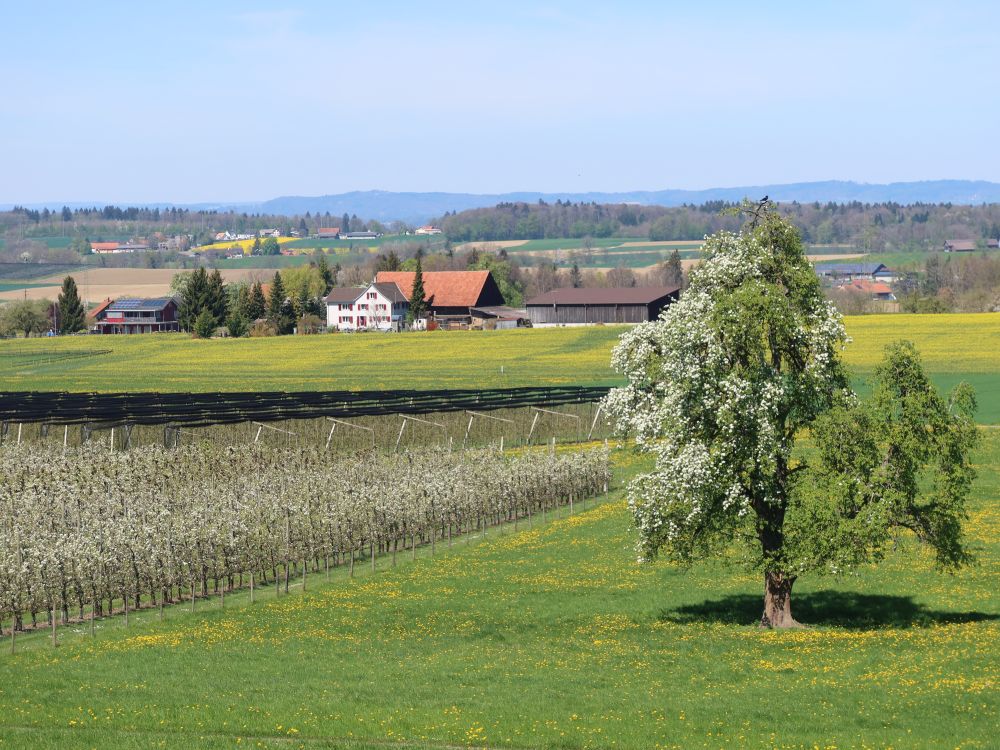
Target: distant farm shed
(959, 246)
(572, 306)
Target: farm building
(498, 317)
(328, 233)
(877, 289)
(959, 246)
(968, 246)
(104, 247)
(136, 316)
(464, 298)
(379, 306)
(572, 306)
(449, 294)
(850, 271)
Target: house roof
(101, 308)
(328, 230)
(446, 288)
(390, 291)
(874, 287)
(633, 295)
(844, 269)
(961, 245)
(344, 295)
(142, 305)
(103, 246)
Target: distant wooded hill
(419, 207)
(872, 227)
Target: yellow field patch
(244, 245)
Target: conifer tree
(71, 313)
(418, 302)
(325, 273)
(204, 324)
(673, 273)
(195, 298)
(218, 305)
(279, 313)
(256, 304)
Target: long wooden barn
(572, 306)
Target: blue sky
(229, 101)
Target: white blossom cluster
(707, 396)
(84, 525)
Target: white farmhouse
(380, 307)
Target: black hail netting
(203, 409)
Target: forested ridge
(868, 226)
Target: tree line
(874, 227)
(294, 301)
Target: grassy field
(954, 347)
(551, 637)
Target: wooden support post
(65, 436)
(18, 433)
(330, 436)
(532, 430)
(400, 436)
(251, 586)
(594, 423)
(468, 429)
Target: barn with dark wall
(588, 306)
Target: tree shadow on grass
(825, 608)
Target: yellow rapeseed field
(245, 245)
(961, 342)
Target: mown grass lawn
(550, 637)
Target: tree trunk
(778, 601)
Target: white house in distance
(379, 306)
(428, 229)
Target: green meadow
(954, 347)
(551, 636)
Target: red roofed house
(328, 233)
(449, 293)
(104, 247)
(876, 289)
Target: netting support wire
(538, 412)
(261, 426)
(472, 416)
(348, 424)
(594, 423)
(414, 419)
